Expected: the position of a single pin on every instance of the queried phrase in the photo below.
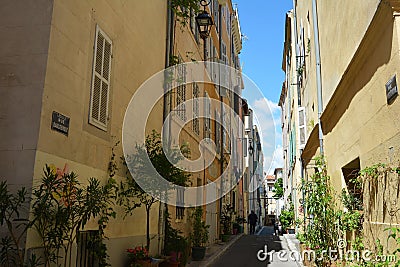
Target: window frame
(93, 121)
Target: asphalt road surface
(244, 252)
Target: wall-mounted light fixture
(204, 21)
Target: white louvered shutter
(100, 91)
(302, 127)
(218, 131)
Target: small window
(100, 88)
(352, 195)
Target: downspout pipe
(294, 189)
(222, 115)
(318, 71)
(296, 52)
(169, 48)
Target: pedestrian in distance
(252, 221)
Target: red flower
(138, 253)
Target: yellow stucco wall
(368, 126)
(339, 41)
(359, 42)
(137, 30)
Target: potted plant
(175, 245)
(286, 218)
(239, 223)
(236, 227)
(199, 235)
(226, 221)
(139, 256)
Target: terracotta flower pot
(143, 263)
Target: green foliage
(300, 70)
(173, 60)
(351, 220)
(199, 235)
(174, 241)
(372, 171)
(13, 215)
(278, 189)
(301, 237)
(131, 195)
(351, 201)
(357, 244)
(287, 218)
(319, 204)
(62, 206)
(183, 9)
(299, 222)
(227, 214)
(240, 219)
(394, 234)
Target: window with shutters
(215, 60)
(215, 9)
(181, 90)
(224, 66)
(218, 131)
(196, 108)
(100, 91)
(193, 26)
(302, 127)
(207, 116)
(180, 202)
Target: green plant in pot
(240, 221)
(236, 228)
(226, 221)
(286, 218)
(199, 235)
(175, 244)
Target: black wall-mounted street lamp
(204, 21)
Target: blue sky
(262, 22)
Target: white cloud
(267, 118)
(277, 160)
(264, 104)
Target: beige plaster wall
(25, 31)
(138, 53)
(122, 233)
(342, 25)
(138, 33)
(369, 125)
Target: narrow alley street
(244, 252)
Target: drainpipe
(222, 115)
(294, 196)
(295, 53)
(318, 70)
(166, 99)
(303, 192)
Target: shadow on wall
(373, 52)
